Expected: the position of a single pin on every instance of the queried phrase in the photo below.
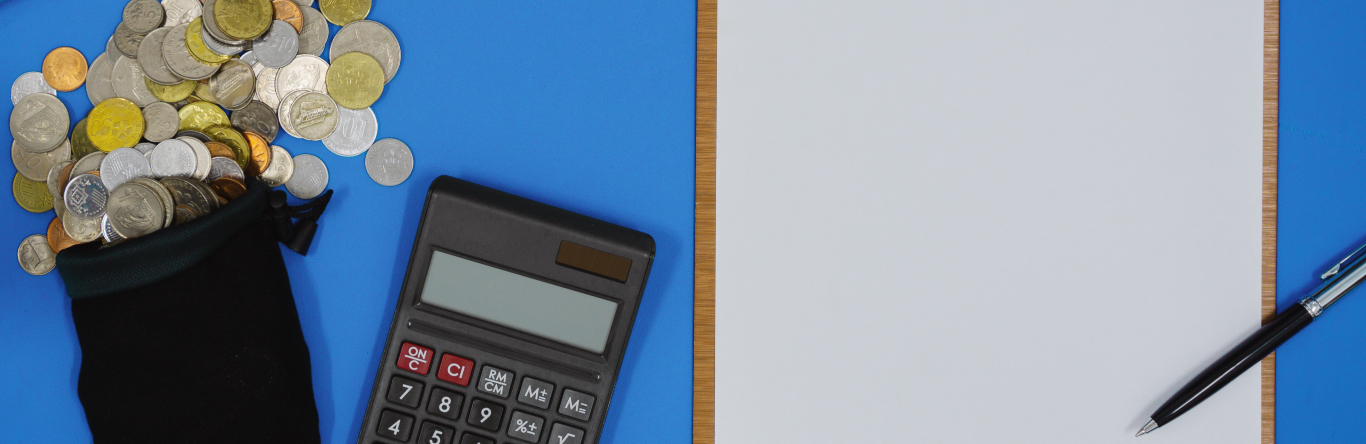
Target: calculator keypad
(433, 433)
(415, 358)
(445, 403)
(455, 370)
(485, 415)
(576, 405)
(535, 392)
(404, 392)
(495, 381)
(395, 425)
(526, 427)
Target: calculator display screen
(519, 302)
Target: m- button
(455, 369)
(577, 405)
(495, 381)
(415, 358)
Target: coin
(35, 256)
(88, 164)
(310, 177)
(224, 167)
(313, 116)
(152, 62)
(200, 116)
(85, 195)
(281, 167)
(278, 47)
(39, 122)
(81, 229)
(194, 41)
(127, 41)
(229, 188)
(163, 198)
(115, 123)
(180, 61)
(65, 69)
(142, 16)
(29, 83)
(372, 38)
(211, 25)
(389, 162)
(188, 195)
(287, 104)
(243, 19)
(234, 84)
(99, 84)
(80, 141)
(181, 11)
(265, 86)
(313, 39)
(356, 131)
(135, 210)
(36, 166)
(343, 12)
(174, 93)
(195, 134)
(57, 238)
(258, 118)
(184, 214)
(233, 139)
(107, 231)
(288, 12)
(202, 92)
(53, 178)
(355, 81)
(162, 121)
(306, 72)
(31, 194)
(121, 165)
(217, 46)
(173, 158)
(130, 83)
(112, 50)
(220, 150)
(260, 154)
(144, 147)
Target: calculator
(511, 326)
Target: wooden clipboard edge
(1271, 63)
(704, 232)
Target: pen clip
(1338, 266)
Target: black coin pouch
(191, 334)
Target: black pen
(1337, 281)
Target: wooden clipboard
(704, 258)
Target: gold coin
(199, 116)
(220, 150)
(260, 153)
(115, 123)
(343, 12)
(171, 94)
(80, 140)
(228, 136)
(228, 188)
(194, 41)
(57, 238)
(244, 19)
(287, 11)
(201, 92)
(355, 80)
(65, 69)
(32, 195)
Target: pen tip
(1147, 428)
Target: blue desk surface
(582, 105)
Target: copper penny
(260, 152)
(218, 149)
(289, 12)
(228, 188)
(65, 69)
(63, 178)
(57, 237)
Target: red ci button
(415, 358)
(455, 369)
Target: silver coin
(314, 116)
(36, 166)
(224, 167)
(180, 61)
(107, 231)
(142, 16)
(162, 121)
(304, 3)
(39, 122)
(211, 25)
(234, 84)
(128, 83)
(371, 38)
(179, 12)
(58, 208)
(281, 167)
(310, 177)
(144, 147)
(250, 58)
(313, 36)
(53, 176)
(121, 165)
(113, 51)
(99, 82)
(286, 104)
(202, 157)
(127, 41)
(151, 60)
(389, 162)
(163, 197)
(257, 118)
(85, 196)
(36, 256)
(195, 134)
(172, 158)
(29, 83)
(88, 164)
(265, 86)
(135, 210)
(278, 47)
(81, 229)
(306, 72)
(217, 46)
(356, 131)
(187, 194)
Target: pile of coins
(189, 96)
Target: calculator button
(563, 434)
(535, 392)
(455, 370)
(485, 415)
(435, 434)
(415, 358)
(471, 438)
(395, 425)
(495, 381)
(404, 391)
(576, 405)
(445, 403)
(526, 427)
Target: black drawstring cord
(297, 237)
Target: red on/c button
(455, 369)
(415, 358)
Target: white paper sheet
(985, 221)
